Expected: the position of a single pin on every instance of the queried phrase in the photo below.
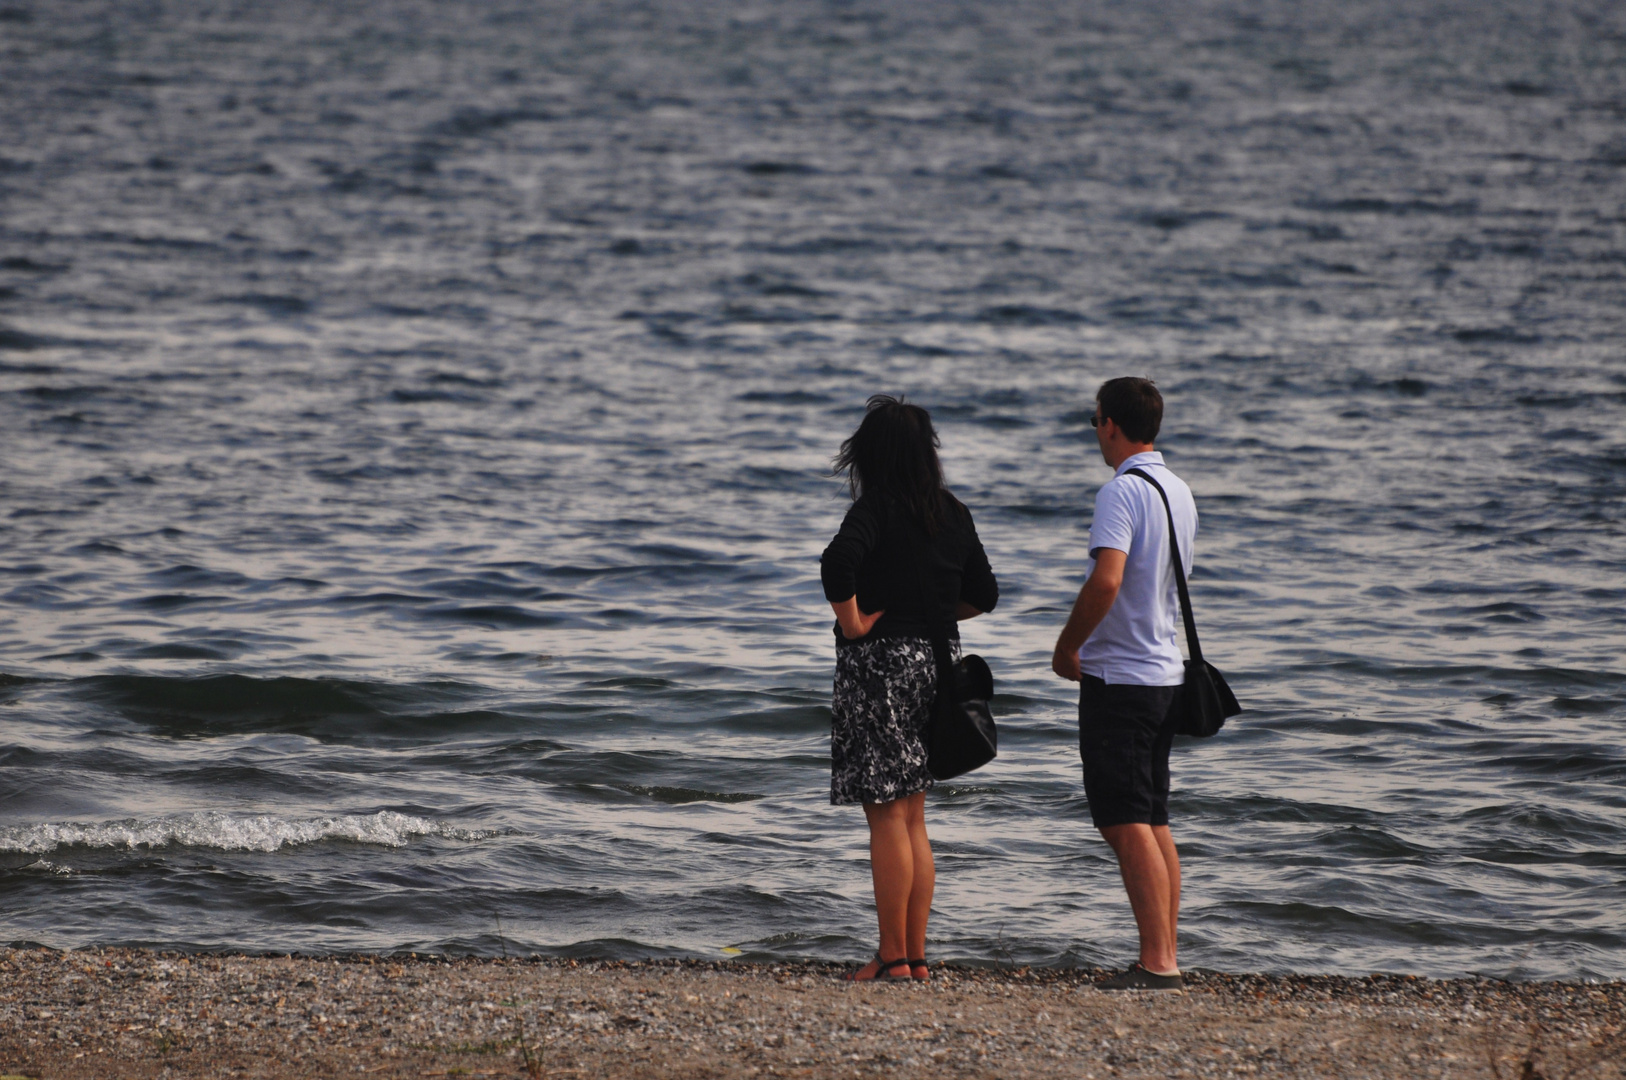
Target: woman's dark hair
(893, 454)
(1135, 405)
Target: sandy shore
(121, 1013)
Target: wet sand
(123, 1013)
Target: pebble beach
(418, 418)
(126, 1013)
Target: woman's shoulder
(867, 513)
(884, 513)
(867, 505)
(956, 511)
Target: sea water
(415, 421)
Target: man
(1119, 645)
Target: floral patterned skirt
(883, 698)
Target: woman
(904, 568)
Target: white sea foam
(228, 832)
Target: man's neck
(1117, 455)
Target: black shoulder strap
(1195, 649)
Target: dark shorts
(1124, 736)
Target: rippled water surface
(414, 421)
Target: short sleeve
(1114, 523)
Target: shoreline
(101, 1012)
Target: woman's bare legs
(900, 864)
(925, 879)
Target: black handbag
(1205, 700)
(960, 735)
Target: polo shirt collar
(1150, 457)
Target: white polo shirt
(1137, 642)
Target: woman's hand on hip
(854, 623)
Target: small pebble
(122, 1013)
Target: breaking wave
(227, 832)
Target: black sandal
(881, 972)
(921, 963)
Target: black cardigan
(884, 556)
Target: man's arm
(1094, 601)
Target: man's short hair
(1134, 405)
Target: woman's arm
(979, 591)
(838, 568)
(854, 623)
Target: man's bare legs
(1171, 860)
(1151, 871)
(900, 864)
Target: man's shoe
(1138, 978)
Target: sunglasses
(1096, 419)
